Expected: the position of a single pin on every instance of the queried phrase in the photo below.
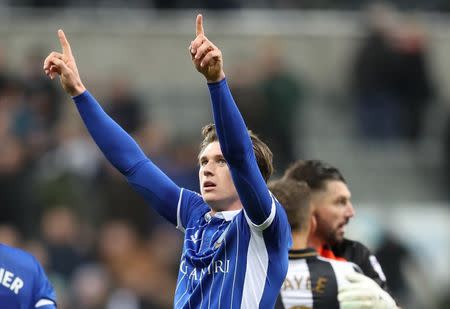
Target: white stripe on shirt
(43, 302)
(298, 272)
(266, 222)
(256, 271)
(341, 269)
(179, 223)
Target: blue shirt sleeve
(44, 295)
(237, 149)
(191, 206)
(125, 154)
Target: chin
(338, 239)
(335, 239)
(210, 199)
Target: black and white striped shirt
(312, 282)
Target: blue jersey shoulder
(22, 279)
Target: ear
(312, 224)
(311, 229)
(313, 209)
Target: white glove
(364, 293)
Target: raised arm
(117, 146)
(234, 138)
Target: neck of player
(315, 242)
(299, 240)
(219, 207)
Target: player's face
(216, 184)
(332, 210)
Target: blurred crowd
(393, 85)
(102, 246)
(61, 201)
(392, 82)
(432, 5)
(279, 95)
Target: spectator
(278, 93)
(61, 233)
(125, 105)
(391, 81)
(392, 255)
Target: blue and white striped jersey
(232, 260)
(23, 283)
(227, 261)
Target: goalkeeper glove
(364, 293)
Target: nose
(350, 212)
(207, 169)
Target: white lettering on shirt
(8, 280)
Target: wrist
(77, 90)
(216, 80)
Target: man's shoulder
(342, 266)
(351, 250)
(359, 254)
(15, 254)
(18, 260)
(193, 200)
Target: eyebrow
(218, 156)
(343, 197)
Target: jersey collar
(302, 253)
(227, 215)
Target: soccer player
(23, 283)
(235, 252)
(332, 210)
(311, 281)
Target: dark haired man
(311, 281)
(332, 210)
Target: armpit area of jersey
(357, 253)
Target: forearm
(123, 152)
(117, 146)
(237, 149)
(231, 130)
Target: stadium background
(293, 62)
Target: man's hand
(63, 64)
(364, 293)
(207, 58)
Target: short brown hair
(262, 152)
(294, 196)
(314, 172)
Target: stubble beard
(328, 235)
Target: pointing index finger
(64, 43)
(199, 25)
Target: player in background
(235, 252)
(332, 210)
(311, 281)
(23, 283)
